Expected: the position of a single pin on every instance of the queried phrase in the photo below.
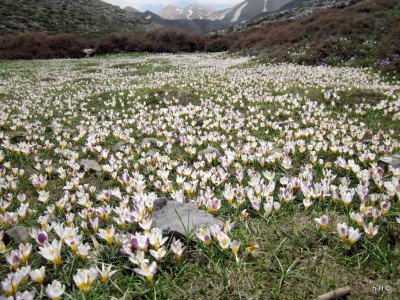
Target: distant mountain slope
(299, 8)
(292, 10)
(292, 5)
(88, 18)
(220, 21)
(131, 9)
(200, 26)
(190, 12)
(247, 10)
(244, 11)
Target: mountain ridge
(131, 9)
(87, 18)
(202, 26)
(190, 12)
(244, 11)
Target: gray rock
(68, 153)
(46, 79)
(180, 219)
(390, 160)
(102, 117)
(118, 146)
(209, 150)
(152, 141)
(49, 128)
(200, 121)
(283, 123)
(151, 152)
(53, 175)
(18, 136)
(90, 165)
(18, 234)
(89, 52)
(277, 150)
(159, 204)
(367, 141)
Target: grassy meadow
(305, 207)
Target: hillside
(88, 18)
(364, 34)
(298, 9)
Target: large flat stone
(119, 146)
(152, 152)
(18, 136)
(151, 141)
(391, 160)
(180, 219)
(90, 165)
(210, 150)
(17, 234)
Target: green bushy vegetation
(90, 19)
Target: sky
(157, 5)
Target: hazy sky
(157, 5)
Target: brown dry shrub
(35, 45)
(114, 43)
(217, 43)
(66, 45)
(158, 41)
(389, 52)
(175, 40)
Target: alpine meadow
(260, 160)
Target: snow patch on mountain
(265, 6)
(220, 15)
(244, 11)
(238, 12)
(190, 12)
